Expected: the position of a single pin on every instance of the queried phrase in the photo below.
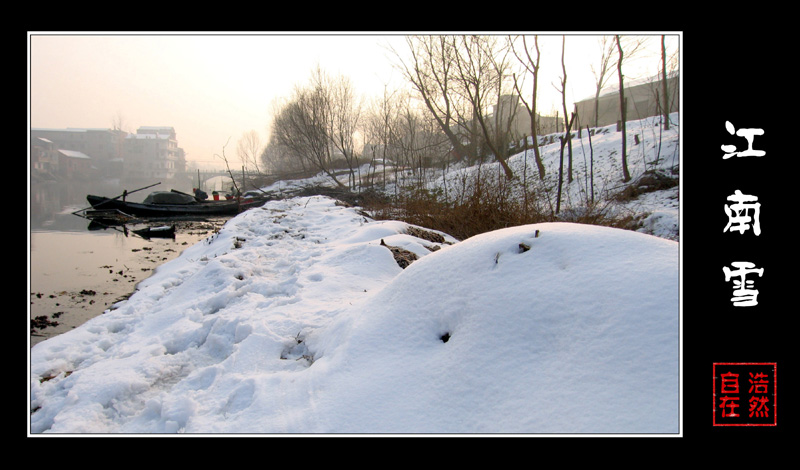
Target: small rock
(403, 257)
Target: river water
(78, 270)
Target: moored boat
(167, 231)
(108, 216)
(171, 203)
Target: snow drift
(295, 319)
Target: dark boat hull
(166, 210)
(156, 232)
(108, 217)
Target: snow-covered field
(295, 318)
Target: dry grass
(483, 206)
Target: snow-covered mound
(296, 319)
(579, 333)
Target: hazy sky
(213, 87)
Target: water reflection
(79, 268)
(52, 203)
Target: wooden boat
(172, 203)
(167, 231)
(108, 216)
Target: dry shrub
(483, 205)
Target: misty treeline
(458, 109)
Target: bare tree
(429, 70)
(532, 66)
(633, 48)
(482, 66)
(454, 76)
(300, 129)
(380, 130)
(602, 73)
(249, 150)
(626, 176)
(320, 123)
(235, 187)
(567, 130)
(403, 135)
(118, 122)
(567, 120)
(664, 81)
(417, 140)
(344, 115)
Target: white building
(153, 153)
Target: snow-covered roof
(74, 154)
(48, 129)
(71, 129)
(148, 136)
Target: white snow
(294, 319)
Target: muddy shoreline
(54, 313)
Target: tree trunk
(622, 111)
(664, 81)
(564, 105)
(533, 67)
(534, 135)
(591, 163)
(564, 141)
(597, 108)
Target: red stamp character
(758, 394)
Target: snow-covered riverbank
(295, 318)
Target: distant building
(150, 153)
(153, 153)
(511, 107)
(75, 165)
(102, 146)
(44, 158)
(643, 98)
